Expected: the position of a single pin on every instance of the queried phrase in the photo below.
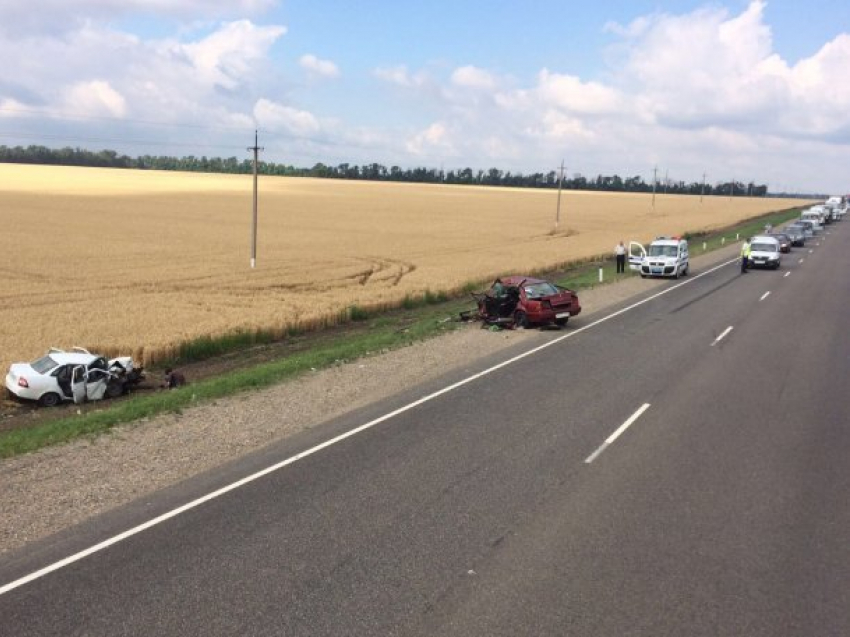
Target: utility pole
(732, 188)
(256, 150)
(558, 209)
(666, 179)
(702, 190)
(654, 184)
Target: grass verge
(423, 319)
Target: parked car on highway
(796, 234)
(783, 239)
(665, 256)
(764, 252)
(816, 217)
(523, 301)
(76, 376)
(808, 228)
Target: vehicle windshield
(662, 251)
(763, 247)
(44, 364)
(538, 290)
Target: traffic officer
(745, 256)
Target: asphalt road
(498, 507)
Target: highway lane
(478, 513)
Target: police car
(666, 256)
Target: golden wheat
(141, 261)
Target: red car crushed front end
(538, 302)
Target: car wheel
(521, 319)
(561, 322)
(642, 275)
(50, 399)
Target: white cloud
(20, 19)
(474, 78)
(282, 118)
(321, 68)
(94, 98)
(435, 138)
(400, 76)
(224, 57)
(570, 94)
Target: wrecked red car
(522, 301)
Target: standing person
(745, 256)
(620, 252)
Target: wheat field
(138, 262)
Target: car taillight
(22, 382)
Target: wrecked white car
(77, 376)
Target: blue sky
(750, 90)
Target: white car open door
(96, 383)
(637, 253)
(78, 384)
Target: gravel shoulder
(55, 488)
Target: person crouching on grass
(173, 379)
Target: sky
(736, 89)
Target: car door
(78, 384)
(97, 378)
(637, 253)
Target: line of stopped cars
(669, 256)
(766, 250)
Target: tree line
(68, 156)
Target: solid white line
(787, 274)
(722, 334)
(765, 295)
(309, 452)
(610, 439)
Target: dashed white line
(810, 251)
(787, 274)
(802, 259)
(765, 295)
(722, 335)
(610, 439)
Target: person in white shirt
(620, 252)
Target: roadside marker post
(600, 275)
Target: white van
(764, 252)
(816, 217)
(666, 256)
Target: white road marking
(610, 439)
(722, 335)
(787, 274)
(802, 259)
(811, 251)
(765, 295)
(309, 452)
